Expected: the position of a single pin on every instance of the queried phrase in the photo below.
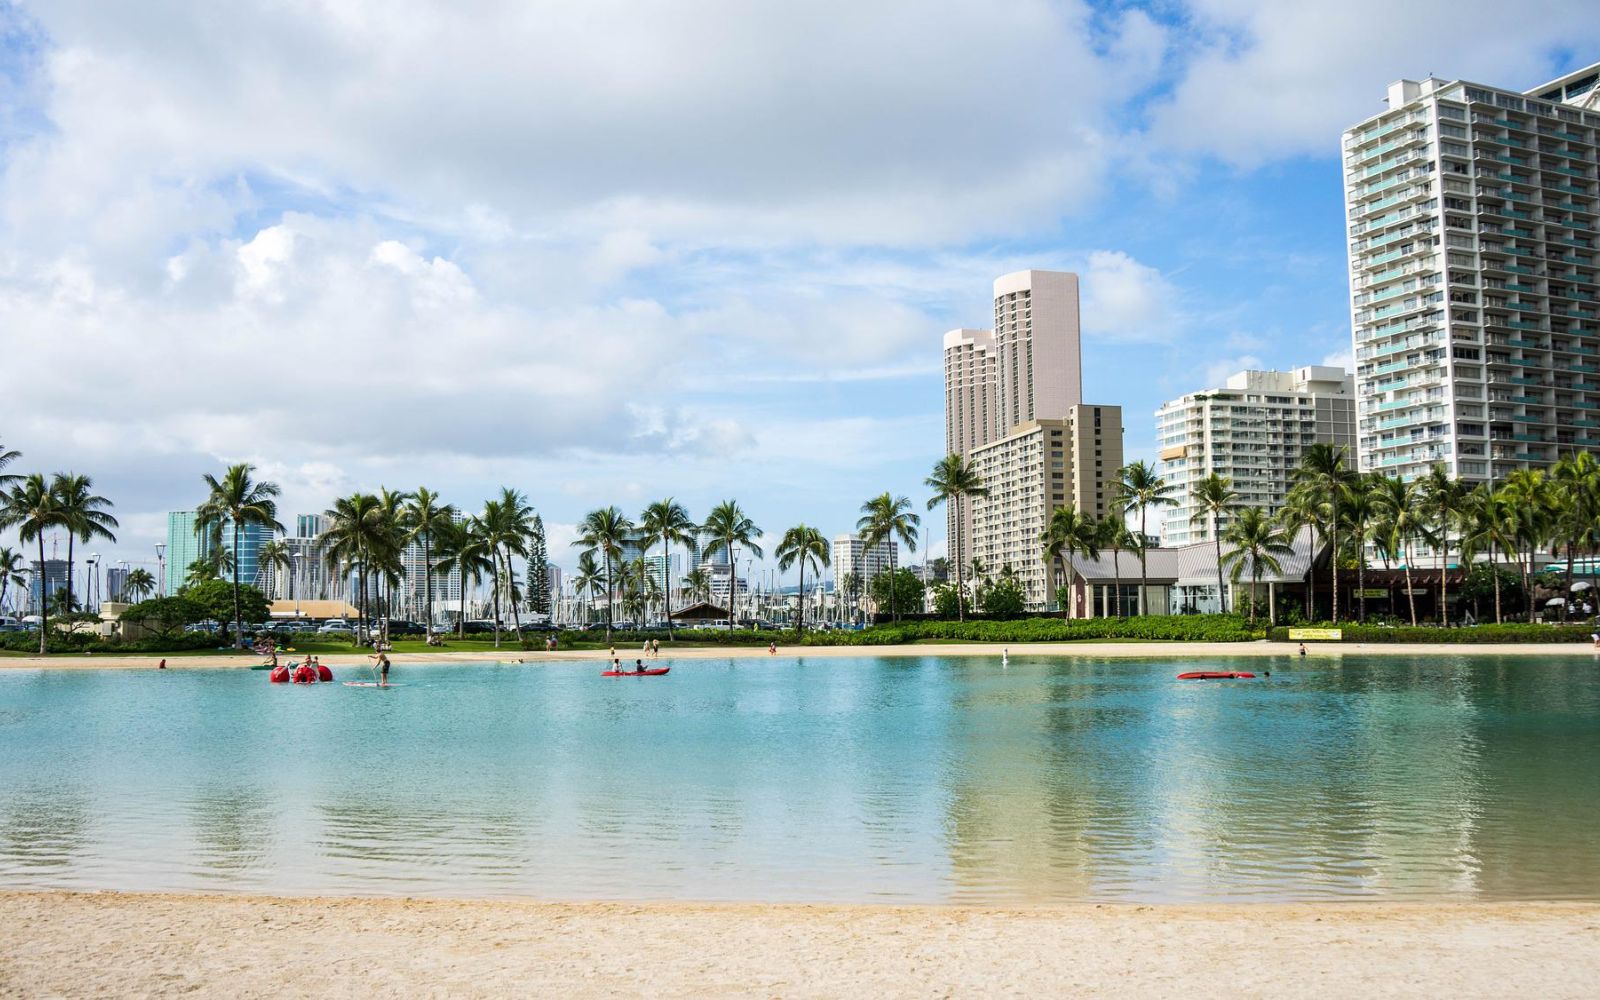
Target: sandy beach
(992, 650)
(109, 944)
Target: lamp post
(90, 585)
(161, 568)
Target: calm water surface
(911, 779)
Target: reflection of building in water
(234, 834)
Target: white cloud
(1262, 79)
(1217, 372)
(1126, 300)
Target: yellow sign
(1315, 633)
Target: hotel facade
(1475, 310)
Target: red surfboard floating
(1215, 675)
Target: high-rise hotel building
(1014, 409)
(1472, 214)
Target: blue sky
(607, 252)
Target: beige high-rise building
(1041, 465)
(971, 390)
(1036, 336)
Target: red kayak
(635, 673)
(1215, 675)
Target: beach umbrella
(1582, 585)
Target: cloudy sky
(608, 251)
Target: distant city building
(851, 555)
(46, 584)
(1251, 431)
(971, 390)
(310, 525)
(116, 583)
(1039, 466)
(1472, 213)
(666, 573)
(184, 546)
(552, 575)
(247, 558)
(307, 579)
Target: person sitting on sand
(772, 648)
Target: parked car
(335, 628)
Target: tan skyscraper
(971, 390)
(1036, 336)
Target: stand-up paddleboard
(369, 684)
(1216, 675)
(655, 672)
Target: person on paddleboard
(383, 666)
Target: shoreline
(1102, 650)
(95, 944)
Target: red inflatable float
(323, 673)
(280, 675)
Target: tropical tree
(1305, 507)
(666, 521)
(956, 481)
(1069, 535)
(1214, 497)
(13, 569)
(605, 531)
(1360, 512)
(275, 557)
(239, 500)
(697, 583)
(83, 514)
(138, 585)
(587, 582)
(1486, 528)
(1443, 496)
(32, 509)
(538, 568)
(507, 522)
(802, 544)
(1402, 521)
(1324, 474)
(1255, 540)
(853, 587)
(354, 540)
(726, 527)
(885, 518)
(422, 520)
(1530, 502)
(1140, 487)
(1114, 535)
(458, 550)
(8, 456)
(389, 559)
(1577, 481)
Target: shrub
(1510, 633)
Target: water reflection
(43, 829)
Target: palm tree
(1323, 470)
(1486, 527)
(1140, 487)
(6, 458)
(852, 586)
(957, 481)
(138, 585)
(12, 570)
(31, 507)
(1577, 478)
(1531, 504)
(274, 556)
(698, 584)
(354, 539)
(668, 522)
(507, 524)
(389, 558)
(1214, 497)
(457, 549)
(83, 515)
(1068, 535)
(606, 531)
(587, 582)
(886, 518)
(725, 527)
(1305, 507)
(1113, 533)
(423, 519)
(1360, 511)
(1402, 521)
(238, 500)
(1258, 540)
(803, 544)
(1443, 495)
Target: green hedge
(83, 642)
(1159, 628)
(1461, 636)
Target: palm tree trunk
(494, 568)
(1116, 581)
(461, 617)
(516, 616)
(44, 599)
(238, 616)
(610, 595)
(1144, 579)
(1311, 582)
(961, 594)
(800, 623)
(1255, 589)
(1494, 571)
(69, 573)
(427, 586)
(1361, 579)
(1333, 556)
(1222, 591)
(666, 579)
(1527, 579)
(1411, 597)
(1072, 575)
(1444, 566)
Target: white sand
(670, 655)
(82, 945)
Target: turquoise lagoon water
(851, 780)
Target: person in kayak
(638, 666)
